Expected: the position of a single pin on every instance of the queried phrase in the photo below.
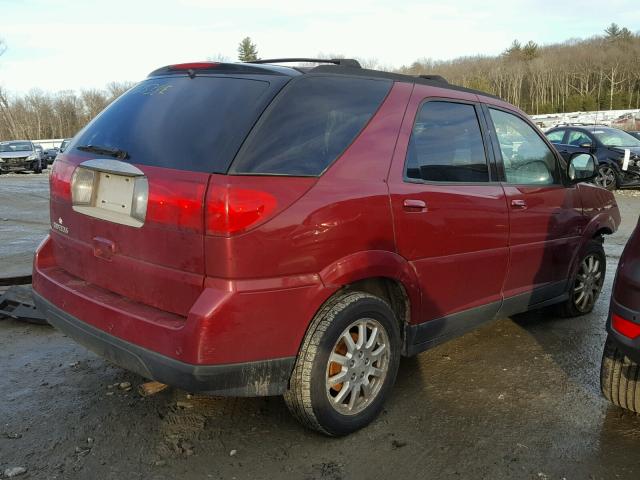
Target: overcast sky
(76, 44)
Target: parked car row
(24, 155)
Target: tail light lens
(60, 180)
(82, 186)
(140, 199)
(233, 210)
(625, 327)
(194, 66)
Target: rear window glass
(446, 145)
(177, 122)
(311, 123)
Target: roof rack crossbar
(345, 62)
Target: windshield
(16, 147)
(616, 138)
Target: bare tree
(115, 89)
(219, 57)
(574, 75)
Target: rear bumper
(239, 337)
(630, 347)
(268, 377)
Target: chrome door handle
(412, 205)
(519, 204)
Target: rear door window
(309, 125)
(577, 138)
(556, 136)
(446, 145)
(184, 123)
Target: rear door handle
(519, 204)
(412, 205)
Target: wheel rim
(588, 283)
(357, 366)
(606, 177)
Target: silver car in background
(19, 156)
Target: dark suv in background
(616, 167)
(247, 229)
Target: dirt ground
(518, 398)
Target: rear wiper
(113, 152)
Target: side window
(526, 158)
(446, 145)
(556, 136)
(577, 138)
(313, 121)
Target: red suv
(253, 229)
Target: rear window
(183, 123)
(309, 125)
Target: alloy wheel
(588, 283)
(357, 366)
(606, 177)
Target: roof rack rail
(435, 78)
(344, 62)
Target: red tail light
(233, 209)
(60, 180)
(176, 198)
(194, 66)
(625, 327)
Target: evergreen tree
(247, 50)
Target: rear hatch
(127, 195)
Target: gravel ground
(518, 398)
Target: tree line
(598, 73)
(39, 115)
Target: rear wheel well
(390, 290)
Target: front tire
(346, 366)
(607, 177)
(587, 281)
(619, 378)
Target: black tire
(574, 307)
(619, 378)
(308, 393)
(608, 177)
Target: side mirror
(582, 167)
